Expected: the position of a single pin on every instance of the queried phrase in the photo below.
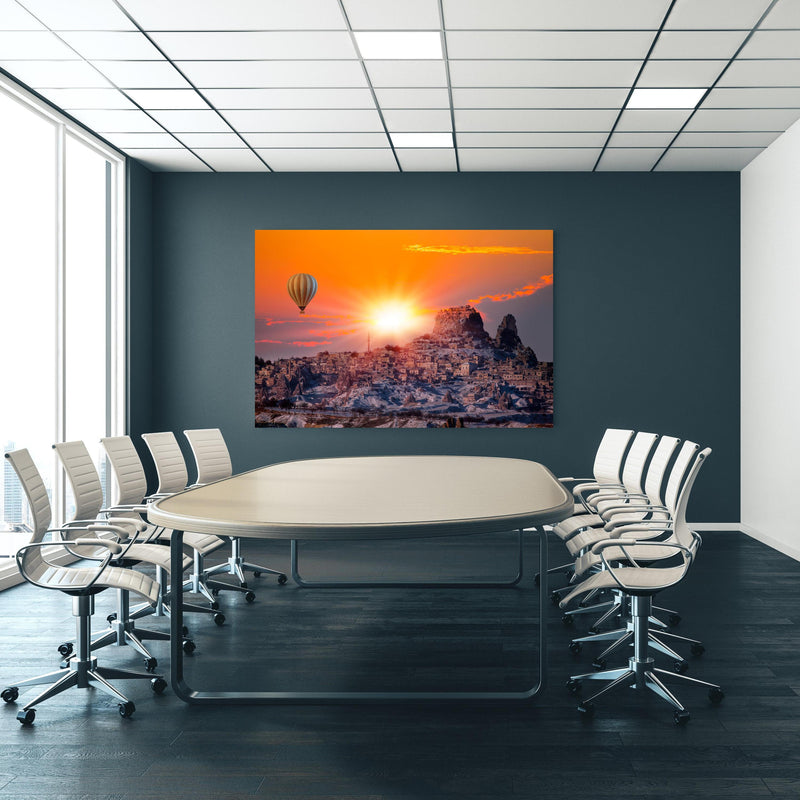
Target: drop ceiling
(286, 85)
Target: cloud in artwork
(461, 250)
(525, 291)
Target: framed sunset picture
(404, 328)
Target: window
(62, 344)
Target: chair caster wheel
(587, 709)
(681, 667)
(150, 664)
(215, 592)
(715, 695)
(111, 618)
(598, 664)
(189, 646)
(568, 620)
(674, 619)
(65, 649)
(555, 598)
(256, 573)
(158, 685)
(26, 717)
(536, 579)
(573, 686)
(214, 606)
(681, 717)
(219, 619)
(250, 596)
(575, 648)
(126, 709)
(10, 694)
(282, 580)
(698, 649)
(184, 630)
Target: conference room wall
(646, 307)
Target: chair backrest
(633, 472)
(168, 458)
(686, 456)
(210, 454)
(610, 452)
(83, 479)
(34, 489)
(658, 468)
(130, 482)
(682, 534)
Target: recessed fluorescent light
(665, 98)
(399, 44)
(422, 139)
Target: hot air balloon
(302, 287)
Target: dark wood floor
(741, 598)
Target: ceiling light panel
(167, 98)
(743, 119)
(727, 138)
(759, 97)
(539, 98)
(506, 160)
(641, 139)
(316, 140)
(56, 74)
(399, 45)
(534, 119)
(142, 74)
(191, 120)
(665, 98)
(423, 140)
(33, 45)
(407, 73)
(422, 160)
(240, 160)
(317, 120)
(330, 160)
(640, 159)
(679, 74)
(548, 44)
(762, 73)
(241, 45)
(87, 15)
(413, 98)
(274, 74)
(698, 44)
(653, 119)
(88, 98)
(159, 141)
(194, 140)
(213, 15)
(690, 159)
(376, 15)
(290, 98)
(715, 14)
(16, 18)
(115, 45)
(558, 139)
(783, 15)
(168, 160)
(772, 44)
(423, 119)
(118, 121)
(552, 74)
(545, 14)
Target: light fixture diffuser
(665, 98)
(397, 45)
(400, 140)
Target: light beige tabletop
(372, 498)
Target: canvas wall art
(404, 328)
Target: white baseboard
(787, 549)
(734, 527)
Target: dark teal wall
(646, 307)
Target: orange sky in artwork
(388, 283)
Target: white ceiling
(259, 85)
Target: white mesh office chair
(213, 463)
(81, 583)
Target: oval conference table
(389, 497)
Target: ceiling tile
(420, 159)
(539, 98)
(727, 138)
(716, 14)
(534, 120)
(168, 160)
(142, 74)
(743, 119)
(758, 97)
(16, 18)
(505, 160)
(88, 98)
(239, 160)
(653, 119)
(56, 74)
(548, 44)
(290, 98)
(642, 139)
(695, 159)
(762, 73)
(273, 74)
(337, 120)
(426, 119)
(558, 139)
(381, 15)
(679, 74)
(378, 160)
(229, 140)
(117, 121)
(316, 140)
(113, 45)
(698, 44)
(87, 15)
(241, 45)
(545, 14)
(543, 73)
(33, 45)
(167, 98)
(213, 15)
(406, 73)
(772, 44)
(629, 159)
(158, 141)
(413, 98)
(197, 121)
(784, 15)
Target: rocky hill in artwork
(456, 376)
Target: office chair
(82, 583)
(213, 463)
(641, 584)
